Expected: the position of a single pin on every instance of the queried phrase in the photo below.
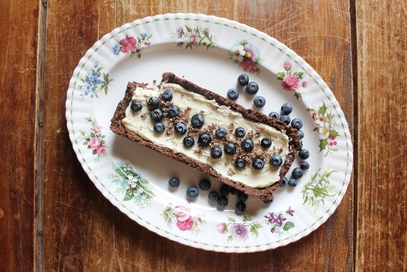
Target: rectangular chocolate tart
(211, 111)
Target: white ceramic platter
(211, 52)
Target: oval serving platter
(211, 52)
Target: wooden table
(52, 217)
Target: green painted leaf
(188, 28)
(322, 144)
(128, 196)
(322, 110)
(298, 95)
(333, 133)
(288, 225)
(246, 218)
(280, 75)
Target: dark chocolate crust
(264, 194)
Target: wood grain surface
(52, 217)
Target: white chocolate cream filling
(215, 116)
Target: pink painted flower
(97, 128)
(182, 213)
(304, 84)
(250, 53)
(287, 66)
(186, 224)
(128, 44)
(314, 115)
(291, 83)
(148, 43)
(248, 66)
(239, 231)
(101, 150)
(222, 228)
(94, 143)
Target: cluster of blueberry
(303, 153)
(259, 101)
(220, 198)
(251, 88)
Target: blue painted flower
(116, 49)
(143, 35)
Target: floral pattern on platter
(181, 216)
(94, 82)
(278, 221)
(239, 231)
(318, 188)
(247, 57)
(325, 123)
(132, 45)
(193, 37)
(132, 184)
(94, 139)
(291, 81)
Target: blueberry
(276, 160)
(159, 127)
(297, 123)
(286, 119)
(205, 184)
(242, 196)
(172, 111)
(286, 108)
(247, 145)
(240, 132)
(220, 133)
(243, 80)
(234, 191)
(303, 153)
(268, 202)
(156, 115)
(173, 182)
(284, 182)
(266, 142)
(274, 115)
(252, 87)
(240, 207)
(153, 103)
(301, 134)
(192, 192)
(213, 197)
(233, 94)
(258, 163)
(216, 152)
(136, 106)
(259, 101)
(222, 201)
(188, 141)
(230, 149)
(304, 165)
(180, 128)
(204, 139)
(297, 173)
(240, 163)
(224, 190)
(166, 95)
(292, 182)
(197, 120)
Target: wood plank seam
(39, 127)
